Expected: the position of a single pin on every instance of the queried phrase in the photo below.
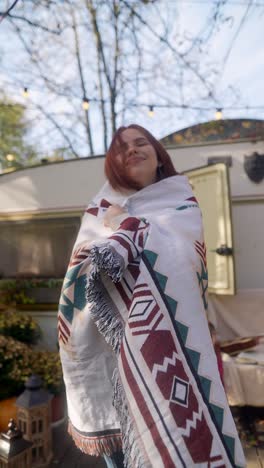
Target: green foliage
(13, 130)
(18, 331)
(47, 365)
(19, 326)
(15, 366)
(19, 361)
(16, 291)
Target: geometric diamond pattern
(140, 308)
(180, 392)
(67, 306)
(67, 309)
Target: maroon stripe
(157, 321)
(63, 334)
(133, 270)
(124, 244)
(202, 254)
(147, 332)
(105, 204)
(123, 294)
(92, 211)
(144, 323)
(75, 262)
(199, 243)
(62, 338)
(192, 199)
(142, 293)
(130, 224)
(142, 332)
(82, 256)
(77, 259)
(64, 325)
(144, 410)
(141, 240)
(135, 236)
(140, 286)
(200, 250)
(216, 458)
(200, 246)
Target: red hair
(116, 173)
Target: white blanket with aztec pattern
(138, 361)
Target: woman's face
(138, 157)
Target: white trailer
(41, 209)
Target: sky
(243, 71)
(245, 65)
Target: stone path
(66, 455)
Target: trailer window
(37, 247)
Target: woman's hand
(111, 213)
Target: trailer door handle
(223, 250)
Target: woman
(139, 367)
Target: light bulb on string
(25, 92)
(10, 157)
(85, 103)
(151, 111)
(218, 114)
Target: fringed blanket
(138, 361)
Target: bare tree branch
(3, 14)
(80, 70)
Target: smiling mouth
(134, 160)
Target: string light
(218, 111)
(25, 93)
(218, 114)
(85, 103)
(151, 111)
(10, 157)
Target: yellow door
(211, 188)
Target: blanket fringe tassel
(132, 454)
(105, 260)
(97, 447)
